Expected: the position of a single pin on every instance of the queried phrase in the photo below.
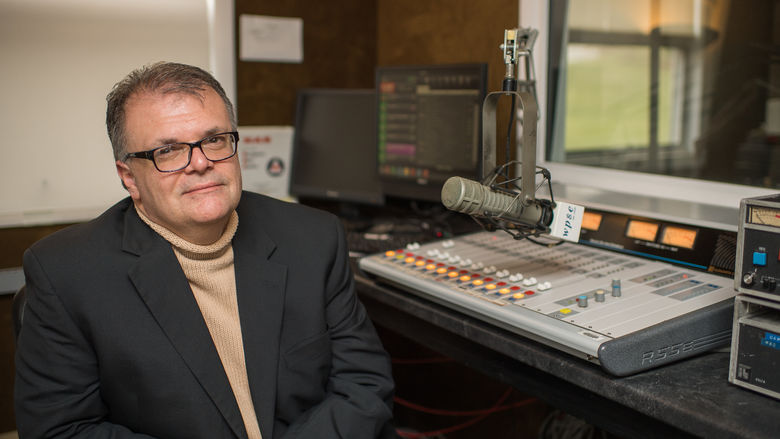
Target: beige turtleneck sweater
(210, 272)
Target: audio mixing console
(625, 312)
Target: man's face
(196, 202)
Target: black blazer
(113, 342)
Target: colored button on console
(759, 258)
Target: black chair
(17, 310)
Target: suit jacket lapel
(162, 285)
(261, 285)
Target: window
(679, 88)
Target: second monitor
(429, 127)
(334, 150)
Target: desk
(688, 398)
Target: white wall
(59, 60)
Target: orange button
(430, 267)
(441, 270)
(409, 260)
(453, 274)
(389, 253)
(478, 282)
(518, 295)
(504, 291)
(419, 263)
(465, 278)
(490, 286)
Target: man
(192, 309)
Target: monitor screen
(334, 146)
(429, 127)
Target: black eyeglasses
(176, 156)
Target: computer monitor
(334, 146)
(429, 127)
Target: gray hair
(161, 77)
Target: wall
(445, 31)
(339, 51)
(60, 59)
(344, 40)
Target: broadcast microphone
(563, 221)
(468, 196)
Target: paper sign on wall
(274, 39)
(265, 153)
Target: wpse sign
(567, 220)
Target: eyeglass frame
(149, 154)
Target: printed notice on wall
(265, 153)
(271, 39)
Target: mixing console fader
(625, 312)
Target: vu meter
(764, 215)
(679, 237)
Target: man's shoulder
(271, 211)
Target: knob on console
(749, 277)
(616, 290)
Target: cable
(480, 415)
(478, 412)
(511, 188)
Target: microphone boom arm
(497, 205)
(528, 153)
(519, 82)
